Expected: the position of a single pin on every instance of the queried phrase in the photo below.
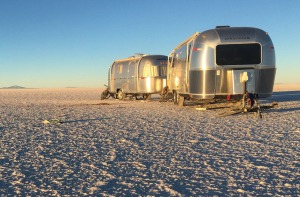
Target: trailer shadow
(285, 96)
(83, 120)
(277, 97)
(282, 110)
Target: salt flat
(139, 148)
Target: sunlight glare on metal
(148, 84)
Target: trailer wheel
(105, 95)
(121, 95)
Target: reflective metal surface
(193, 68)
(135, 75)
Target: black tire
(105, 95)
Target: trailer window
(120, 69)
(180, 56)
(154, 68)
(153, 71)
(238, 54)
(132, 68)
(163, 71)
(116, 70)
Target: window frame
(257, 60)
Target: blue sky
(71, 43)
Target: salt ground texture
(144, 148)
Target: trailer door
(132, 77)
(180, 66)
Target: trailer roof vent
(139, 54)
(136, 55)
(223, 26)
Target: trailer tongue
(256, 108)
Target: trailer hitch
(249, 104)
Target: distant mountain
(14, 87)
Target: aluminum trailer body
(139, 75)
(224, 61)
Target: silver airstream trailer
(222, 62)
(139, 75)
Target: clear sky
(71, 43)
